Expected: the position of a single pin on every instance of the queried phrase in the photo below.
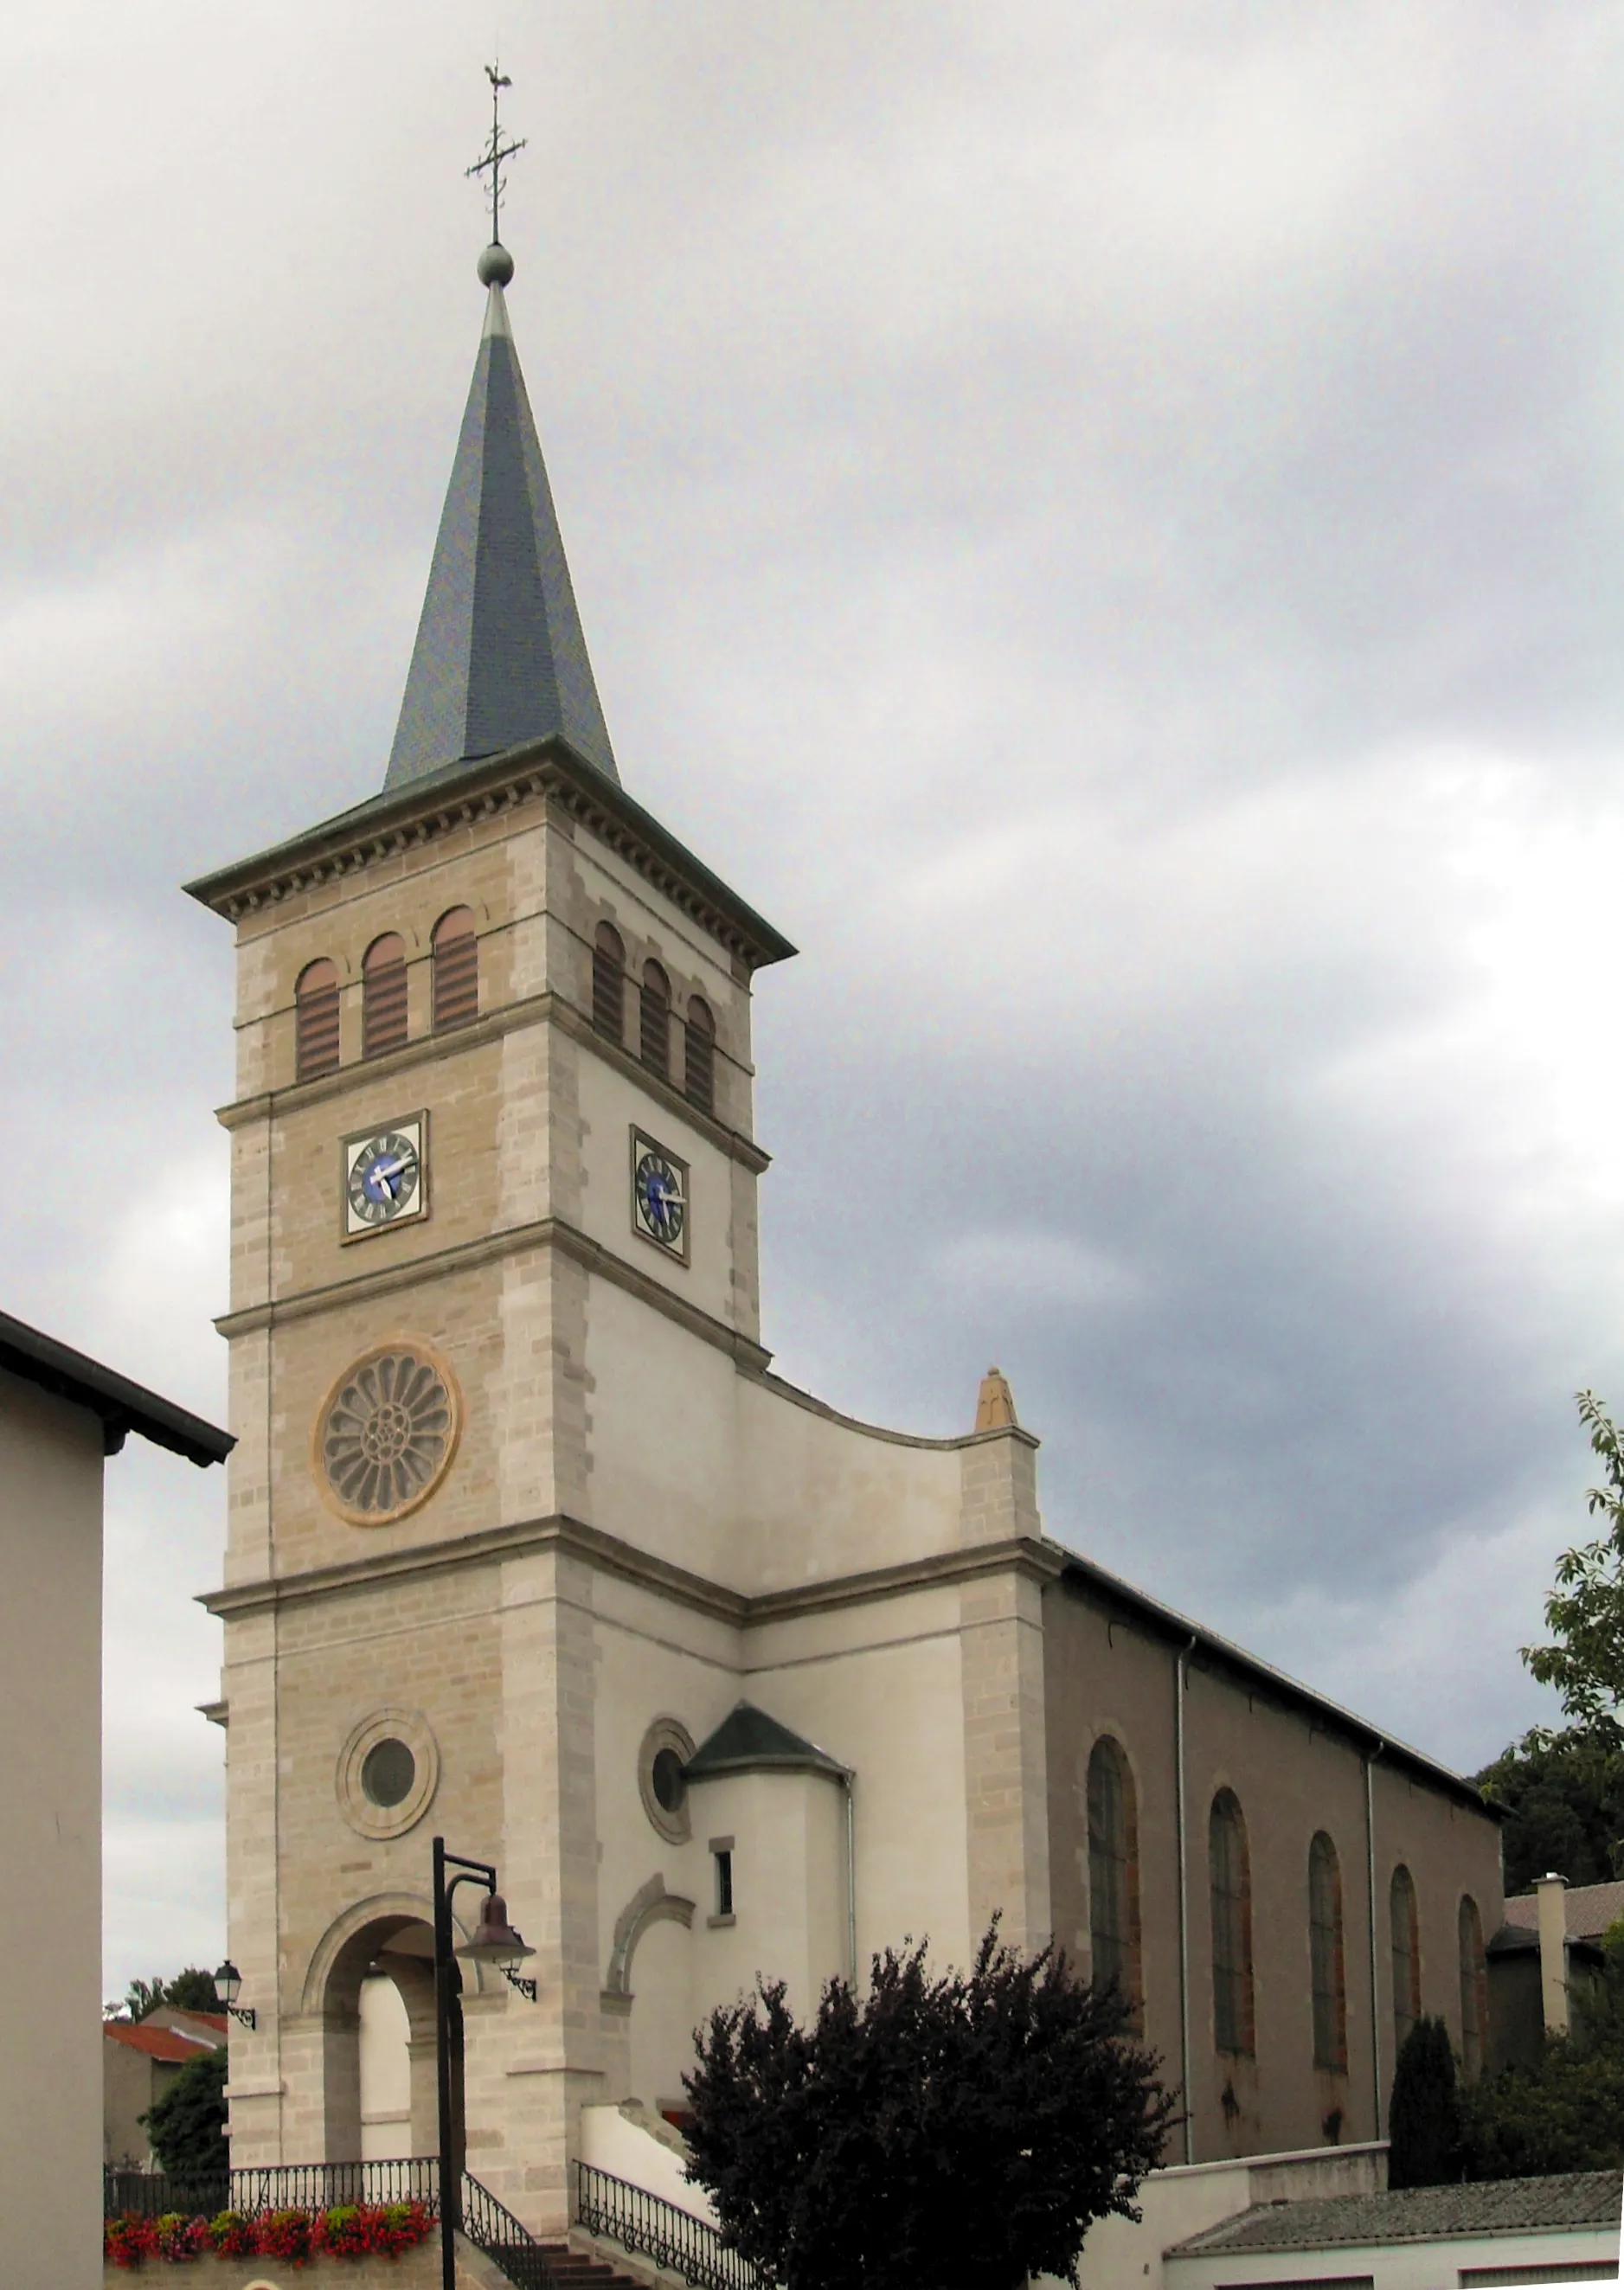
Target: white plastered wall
(51, 2039)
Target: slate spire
(499, 658)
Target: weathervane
(497, 150)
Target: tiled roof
(499, 657)
(158, 2043)
(1591, 1909)
(1568, 2199)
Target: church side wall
(1107, 1674)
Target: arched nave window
(456, 969)
(316, 1019)
(1229, 1866)
(383, 995)
(1474, 1987)
(1406, 1955)
(1326, 1954)
(1113, 1874)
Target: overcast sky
(1103, 521)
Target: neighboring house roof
(1523, 1939)
(749, 1741)
(499, 656)
(159, 2043)
(1589, 1909)
(1566, 2199)
(123, 1406)
(182, 2017)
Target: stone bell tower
(494, 1215)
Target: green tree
(1424, 2124)
(1564, 1800)
(937, 2132)
(191, 1991)
(188, 2126)
(1564, 2111)
(1585, 1612)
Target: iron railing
(280, 2187)
(493, 2228)
(648, 2225)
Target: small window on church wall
(383, 995)
(1231, 1876)
(700, 1056)
(316, 1019)
(609, 982)
(1325, 1956)
(1113, 1874)
(724, 1861)
(1406, 1955)
(1474, 1987)
(456, 969)
(654, 1044)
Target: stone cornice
(1040, 1561)
(419, 813)
(549, 1009)
(443, 1264)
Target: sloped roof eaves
(467, 780)
(749, 1741)
(1179, 1630)
(1568, 2200)
(122, 1406)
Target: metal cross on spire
(496, 150)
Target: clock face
(659, 1196)
(385, 1178)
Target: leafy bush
(188, 2126)
(956, 2131)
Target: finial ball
(495, 265)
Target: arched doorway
(370, 1986)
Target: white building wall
(50, 2040)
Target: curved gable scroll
(650, 1904)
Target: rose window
(385, 1435)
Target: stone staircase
(577, 2269)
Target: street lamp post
(494, 1942)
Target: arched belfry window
(456, 969)
(1229, 1867)
(609, 982)
(1474, 1987)
(699, 1055)
(383, 995)
(1325, 1956)
(655, 1031)
(1405, 1925)
(316, 1019)
(1113, 1874)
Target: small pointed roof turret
(500, 658)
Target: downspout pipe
(847, 1780)
(1370, 1871)
(1180, 1685)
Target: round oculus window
(666, 1779)
(388, 1771)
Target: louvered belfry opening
(456, 969)
(609, 983)
(383, 995)
(700, 1056)
(654, 1043)
(315, 1021)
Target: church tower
(527, 1545)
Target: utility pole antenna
(496, 151)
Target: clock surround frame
(402, 1124)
